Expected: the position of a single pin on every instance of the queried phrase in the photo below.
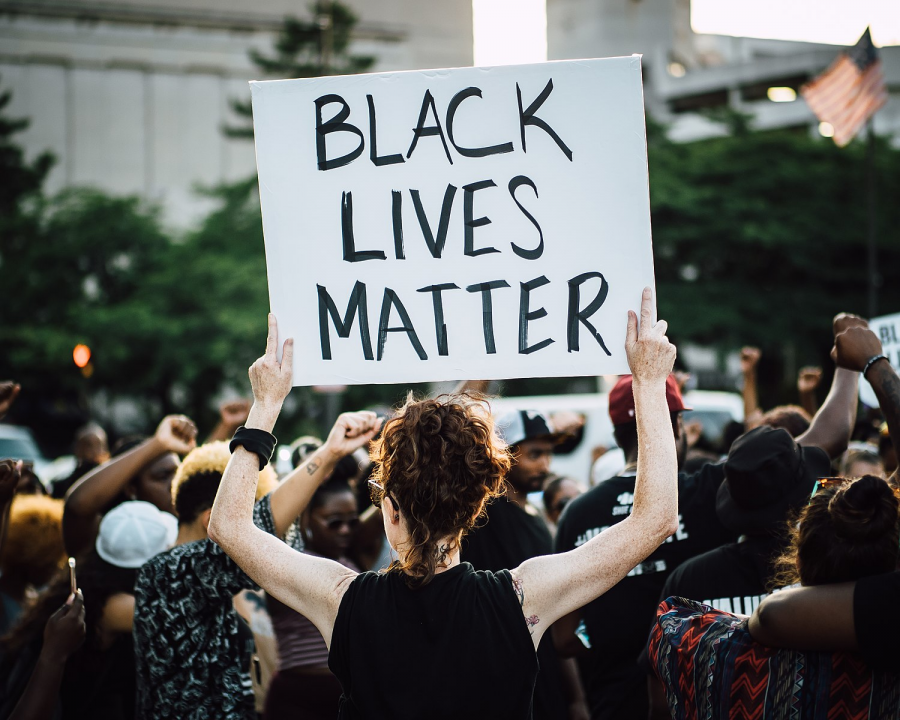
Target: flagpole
(872, 230)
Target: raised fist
(749, 359)
(843, 321)
(854, 347)
(808, 379)
(9, 390)
(177, 433)
(10, 472)
(234, 412)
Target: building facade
(686, 72)
(131, 95)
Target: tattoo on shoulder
(311, 467)
(519, 589)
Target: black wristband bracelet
(871, 362)
(256, 441)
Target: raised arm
(832, 426)
(808, 380)
(310, 585)
(10, 472)
(857, 349)
(88, 497)
(350, 432)
(232, 414)
(749, 361)
(63, 635)
(551, 586)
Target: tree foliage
(304, 49)
(760, 237)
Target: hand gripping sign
(451, 224)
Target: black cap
(767, 475)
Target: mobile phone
(72, 583)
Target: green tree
(760, 237)
(307, 48)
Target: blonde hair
(212, 459)
(34, 534)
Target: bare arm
(232, 415)
(807, 381)
(63, 635)
(290, 498)
(749, 360)
(853, 348)
(93, 492)
(10, 472)
(832, 426)
(816, 618)
(312, 586)
(551, 586)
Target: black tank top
(456, 648)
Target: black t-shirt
(619, 621)
(875, 602)
(507, 537)
(731, 578)
(456, 648)
(504, 540)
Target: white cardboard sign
(887, 328)
(451, 224)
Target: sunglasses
(337, 523)
(377, 494)
(828, 482)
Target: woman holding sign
(430, 637)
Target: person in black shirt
(616, 624)
(431, 637)
(514, 531)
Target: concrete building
(685, 72)
(131, 95)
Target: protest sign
(451, 224)
(887, 328)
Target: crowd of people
(403, 568)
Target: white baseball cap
(133, 532)
(516, 426)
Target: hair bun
(865, 510)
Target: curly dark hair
(847, 532)
(98, 581)
(442, 461)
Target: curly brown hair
(442, 461)
(847, 532)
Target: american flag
(848, 93)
